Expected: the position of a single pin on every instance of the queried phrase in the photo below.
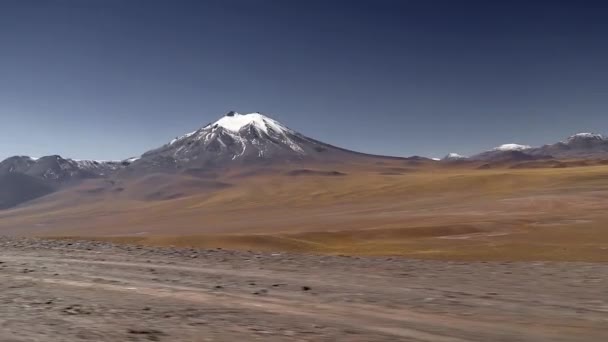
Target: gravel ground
(53, 290)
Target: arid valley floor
(404, 208)
(90, 291)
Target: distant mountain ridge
(243, 140)
(58, 169)
(577, 146)
(24, 178)
(581, 145)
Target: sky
(111, 79)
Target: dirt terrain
(54, 290)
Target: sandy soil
(76, 290)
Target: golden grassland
(415, 211)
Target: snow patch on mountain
(132, 159)
(235, 122)
(185, 136)
(454, 156)
(586, 136)
(512, 147)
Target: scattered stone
(151, 334)
(75, 310)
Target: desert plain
(398, 251)
(406, 208)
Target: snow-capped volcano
(234, 138)
(240, 129)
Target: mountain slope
(16, 164)
(17, 188)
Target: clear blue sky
(109, 79)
